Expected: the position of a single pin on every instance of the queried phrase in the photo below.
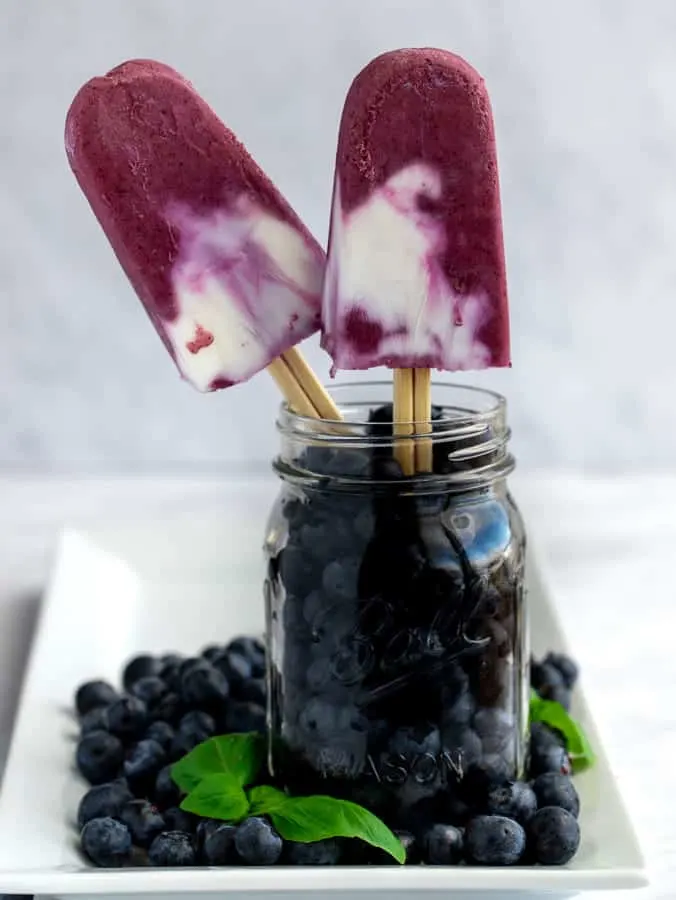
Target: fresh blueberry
(139, 667)
(410, 844)
(182, 744)
(144, 760)
(169, 709)
(106, 842)
(494, 841)
(204, 687)
(99, 756)
(343, 758)
(460, 712)
(553, 836)
(169, 661)
(549, 759)
(177, 819)
(364, 524)
(150, 689)
(143, 820)
(92, 694)
(479, 779)
(567, 667)
(318, 853)
(542, 736)
(211, 653)
(205, 827)
(253, 691)
(197, 724)
(237, 669)
(127, 717)
(495, 727)
(94, 720)
(257, 843)
(340, 579)
(559, 693)
(515, 800)
(414, 741)
(218, 844)
(166, 793)
(313, 605)
(162, 732)
(544, 676)
(172, 848)
(444, 845)
(297, 570)
(103, 800)
(253, 649)
(463, 745)
(554, 789)
(244, 717)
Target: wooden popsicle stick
(422, 413)
(291, 389)
(311, 385)
(403, 419)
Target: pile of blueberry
(131, 816)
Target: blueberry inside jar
(395, 606)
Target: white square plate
(161, 586)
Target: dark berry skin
(143, 821)
(103, 800)
(443, 845)
(236, 668)
(177, 819)
(94, 720)
(169, 709)
(553, 836)
(106, 842)
(319, 853)
(558, 693)
(544, 676)
(494, 841)
(218, 845)
(166, 791)
(554, 789)
(92, 694)
(99, 756)
(245, 717)
(204, 687)
(127, 717)
(150, 689)
(162, 732)
(253, 691)
(549, 759)
(197, 724)
(139, 667)
(257, 843)
(144, 760)
(515, 800)
(567, 667)
(172, 848)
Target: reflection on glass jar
(395, 605)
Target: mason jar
(395, 604)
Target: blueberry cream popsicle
(415, 276)
(227, 272)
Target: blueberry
(237, 669)
(414, 741)
(106, 842)
(549, 759)
(479, 779)
(94, 720)
(553, 836)
(463, 744)
(172, 848)
(204, 687)
(554, 789)
(143, 821)
(567, 667)
(343, 758)
(364, 524)
(99, 756)
(558, 693)
(144, 760)
(495, 727)
(169, 709)
(318, 853)
(494, 841)
(166, 792)
(162, 732)
(544, 676)
(244, 717)
(313, 605)
(205, 827)
(410, 844)
(92, 694)
(515, 800)
(211, 653)
(297, 570)
(197, 724)
(340, 579)
(218, 844)
(443, 845)
(103, 800)
(253, 691)
(542, 736)
(177, 819)
(253, 649)
(460, 712)
(150, 689)
(139, 667)
(127, 717)
(257, 843)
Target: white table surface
(608, 545)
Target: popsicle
(227, 272)
(415, 277)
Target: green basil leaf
(553, 714)
(217, 796)
(238, 755)
(308, 819)
(266, 799)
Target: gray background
(584, 97)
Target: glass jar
(395, 605)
